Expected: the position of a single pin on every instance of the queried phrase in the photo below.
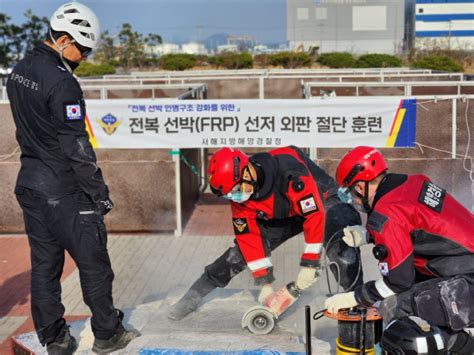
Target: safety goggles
(85, 51)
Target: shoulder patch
(240, 225)
(432, 196)
(307, 205)
(73, 111)
(376, 221)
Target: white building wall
(357, 26)
(193, 48)
(444, 24)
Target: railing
(407, 87)
(188, 91)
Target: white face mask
(61, 52)
(238, 196)
(344, 195)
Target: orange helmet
(225, 169)
(360, 164)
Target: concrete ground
(153, 271)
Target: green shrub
(438, 62)
(202, 60)
(377, 60)
(262, 60)
(337, 60)
(177, 61)
(232, 60)
(290, 60)
(216, 61)
(89, 69)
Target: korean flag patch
(307, 205)
(73, 112)
(383, 267)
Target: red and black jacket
(293, 185)
(420, 231)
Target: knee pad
(348, 271)
(412, 336)
(224, 268)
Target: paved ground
(152, 271)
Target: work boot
(191, 300)
(64, 344)
(118, 341)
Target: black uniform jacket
(50, 116)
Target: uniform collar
(45, 50)
(265, 169)
(388, 183)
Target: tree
(106, 51)
(132, 51)
(4, 40)
(34, 30)
(15, 40)
(153, 39)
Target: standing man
(60, 187)
(424, 242)
(275, 196)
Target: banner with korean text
(322, 122)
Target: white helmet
(79, 21)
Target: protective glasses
(85, 51)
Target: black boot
(191, 300)
(118, 341)
(64, 344)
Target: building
(227, 48)
(355, 26)
(445, 24)
(194, 48)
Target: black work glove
(105, 206)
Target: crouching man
(424, 243)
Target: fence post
(453, 128)
(179, 223)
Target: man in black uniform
(60, 187)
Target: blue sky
(175, 20)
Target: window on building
(369, 18)
(302, 13)
(321, 13)
(420, 10)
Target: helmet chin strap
(365, 200)
(61, 50)
(365, 207)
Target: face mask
(238, 196)
(69, 64)
(344, 195)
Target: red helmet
(360, 164)
(225, 169)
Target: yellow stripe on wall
(398, 123)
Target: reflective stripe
(314, 248)
(259, 264)
(421, 346)
(383, 289)
(86, 212)
(439, 341)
